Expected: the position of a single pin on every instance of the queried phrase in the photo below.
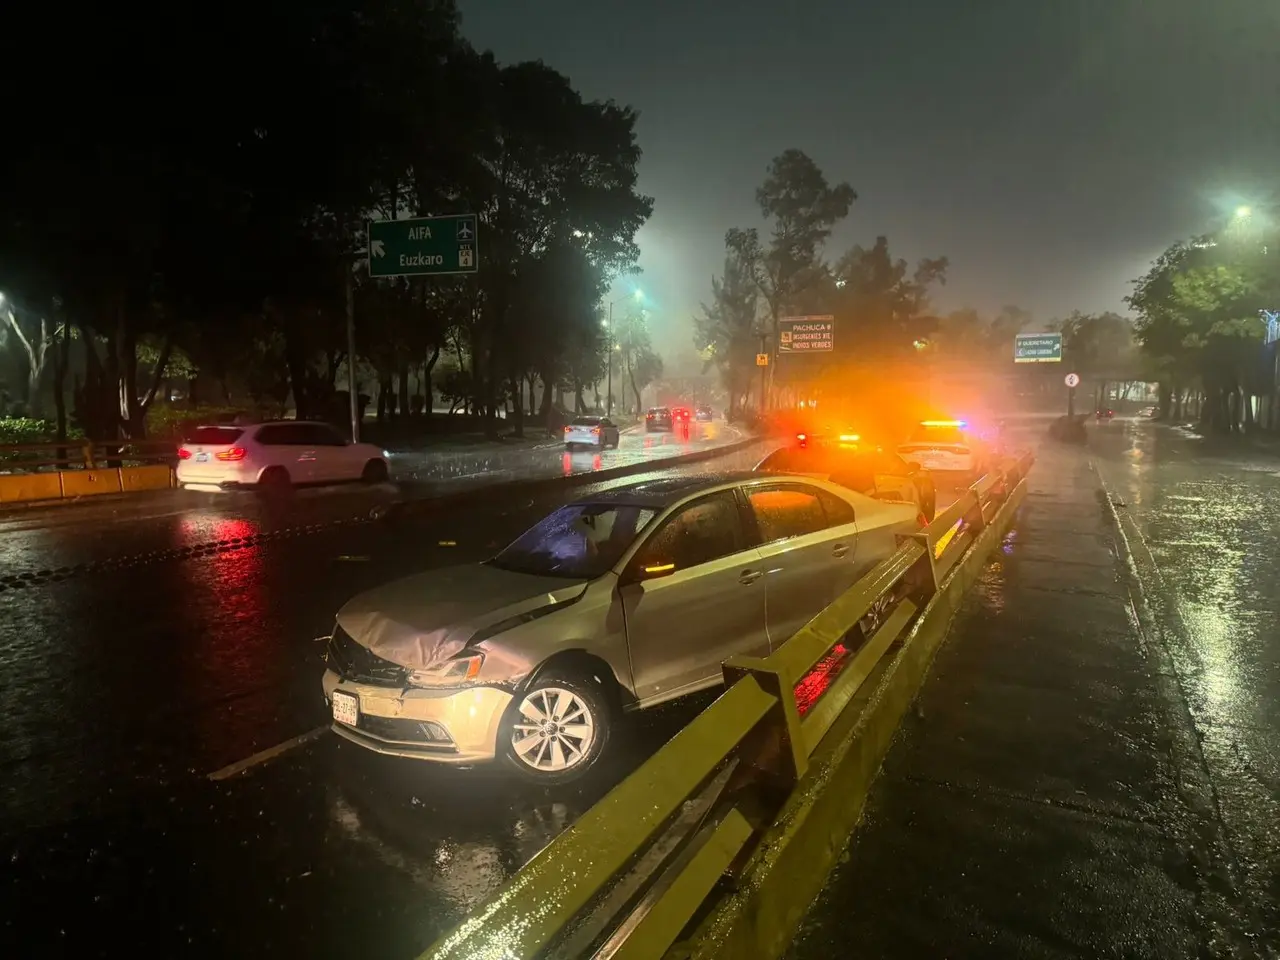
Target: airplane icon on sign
(466, 230)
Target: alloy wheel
(554, 731)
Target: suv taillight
(184, 453)
(232, 455)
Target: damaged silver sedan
(618, 602)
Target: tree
(727, 333)
(1198, 321)
(802, 208)
(881, 304)
(550, 169)
(35, 336)
(230, 230)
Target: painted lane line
(262, 756)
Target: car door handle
(750, 576)
(839, 550)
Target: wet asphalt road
(128, 683)
(132, 678)
(1094, 767)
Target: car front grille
(353, 662)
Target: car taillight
(595, 431)
(568, 428)
(234, 454)
(184, 453)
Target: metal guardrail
(85, 454)
(636, 868)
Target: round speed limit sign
(1073, 379)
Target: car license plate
(346, 708)
(202, 458)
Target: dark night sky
(1050, 148)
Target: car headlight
(453, 672)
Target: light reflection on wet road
(1203, 518)
(124, 689)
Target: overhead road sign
(1037, 348)
(423, 246)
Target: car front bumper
(390, 719)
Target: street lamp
(638, 296)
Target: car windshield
(928, 434)
(580, 541)
(214, 436)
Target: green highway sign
(423, 246)
(1037, 348)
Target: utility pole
(354, 401)
(764, 349)
(608, 403)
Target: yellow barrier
(71, 484)
(25, 487)
(154, 477)
(89, 483)
(635, 871)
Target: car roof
(666, 491)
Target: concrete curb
(758, 918)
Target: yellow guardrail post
(789, 746)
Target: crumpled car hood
(431, 616)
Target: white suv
(281, 453)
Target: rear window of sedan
(659, 411)
(215, 436)
(586, 421)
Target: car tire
(375, 471)
(540, 751)
(275, 481)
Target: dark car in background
(703, 414)
(658, 418)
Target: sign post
(1037, 348)
(762, 361)
(415, 247)
(1072, 381)
(423, 246)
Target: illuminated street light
(840, 284)
(1244, 212)
(617, 348)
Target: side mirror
(913, 466)
(653, 571)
